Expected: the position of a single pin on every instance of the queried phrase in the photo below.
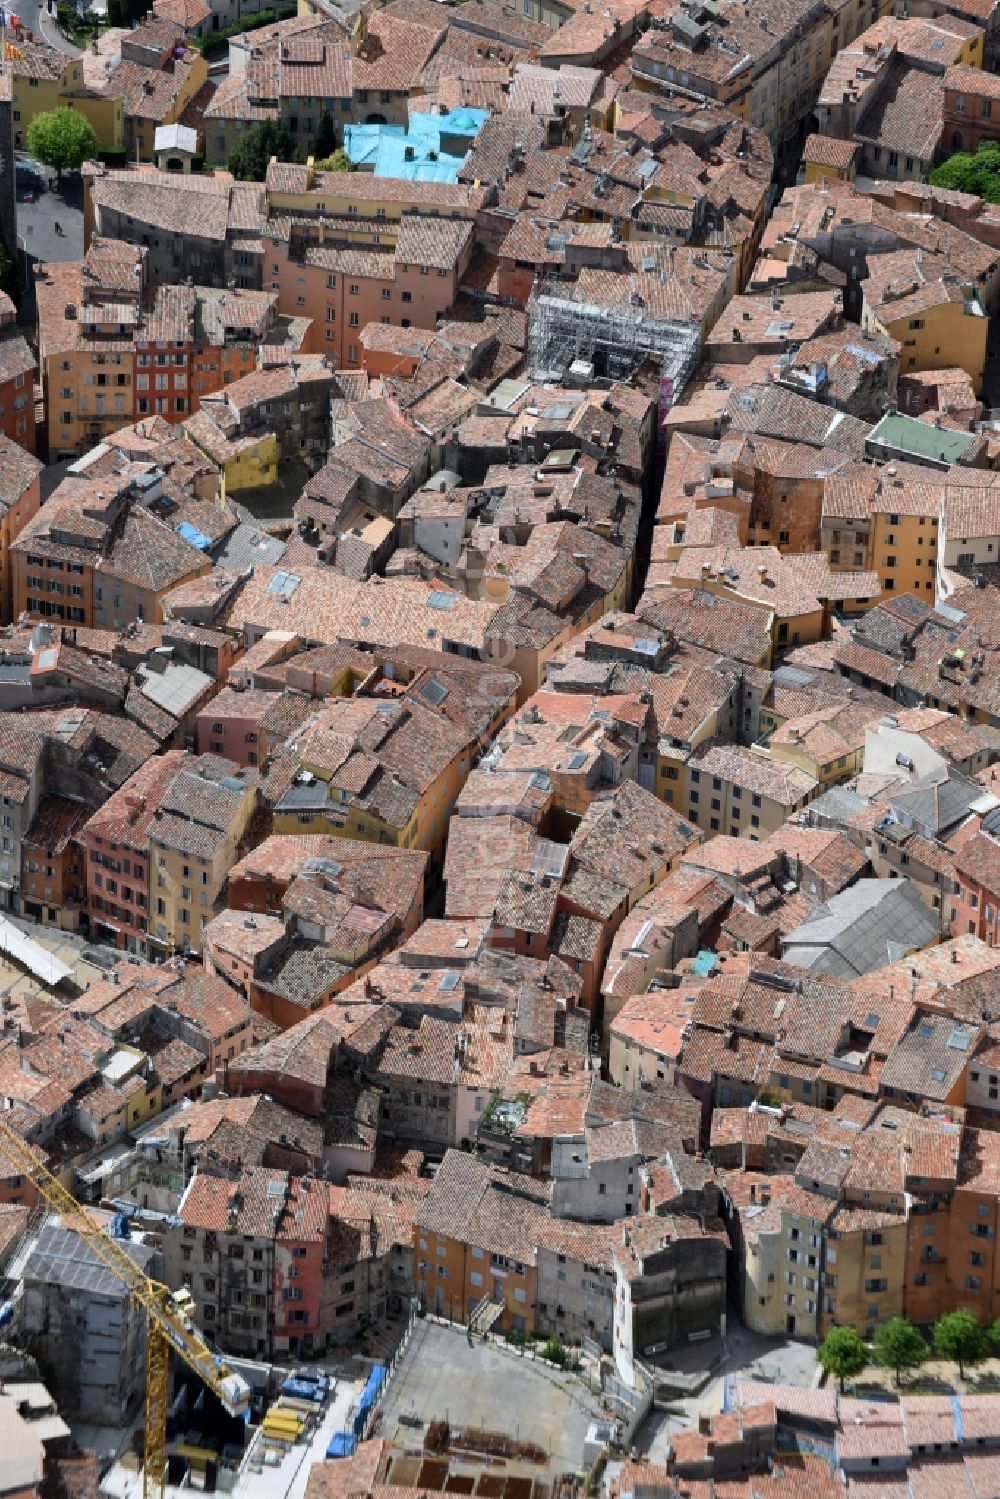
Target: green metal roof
(922, 439)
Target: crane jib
(167, 1329)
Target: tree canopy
(337, 161)
(959, 1338)
(126, 12)
(325, 139)
(898, 1346)
(63, 139)
(972, 172)
(842, 1353)
(255, 147)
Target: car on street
(28, 182)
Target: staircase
(485, 1315)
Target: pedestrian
(59, 229)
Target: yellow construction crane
(169, 1326)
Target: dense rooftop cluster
(502, 691)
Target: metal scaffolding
(613, 341)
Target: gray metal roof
(865, 927)
(936, 802)
(794, 676)
(837, 805)
(175, 689)
(61, 1257)
(249, 546)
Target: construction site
(475, 1417)
(576, 341)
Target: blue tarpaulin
(301, 1389)
(369, 1397)
(194, 536)
(342, 1444)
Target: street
(776, 1360)
(34, 16)
(63, 205)
(36, 232)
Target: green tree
(325, 139)
(255, 147)
(959, 1338)
(898, 1346)
(338, 161)
(972, 172)
(842, 1353)
(63, 139)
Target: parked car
(28, 182)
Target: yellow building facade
(45, 80)
(339, 817)
(42, 78)
(904, 541)
(864, 1274)
(254, 466)
(187, 876)
(948, 332)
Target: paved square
(489, 1388)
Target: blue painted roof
(416, 154)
